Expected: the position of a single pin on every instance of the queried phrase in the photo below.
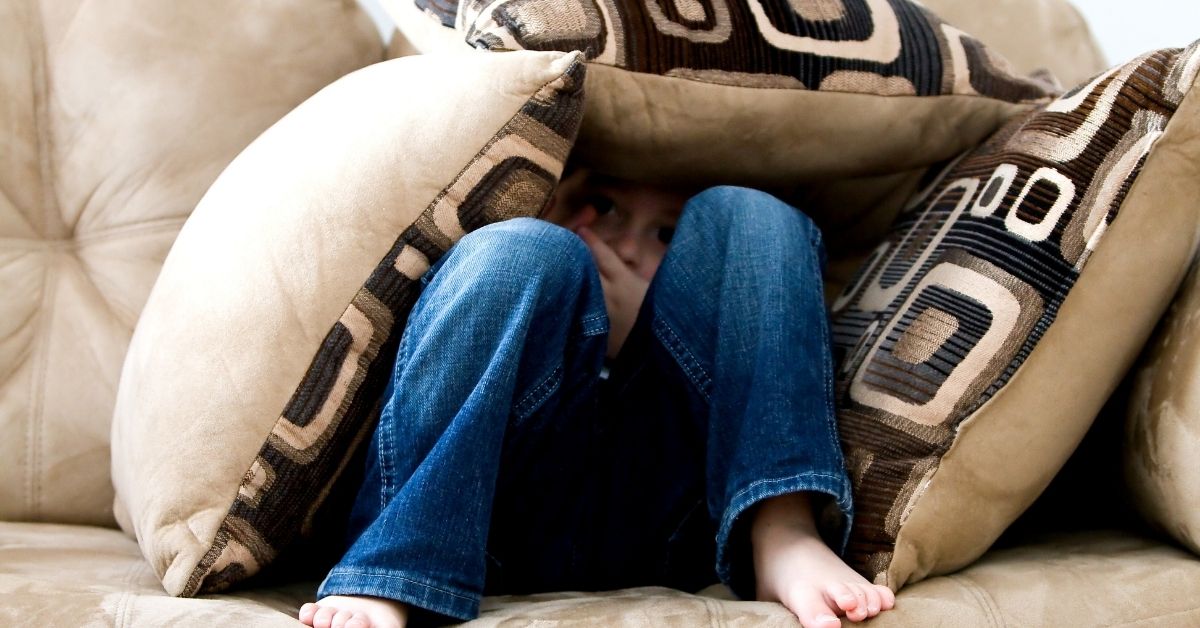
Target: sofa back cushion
(1032, 34)
(115, 117)
(1162, 429)
(981, 338)
(259, 362)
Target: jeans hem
(438, 598)
(836, 487)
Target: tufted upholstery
(115, 116)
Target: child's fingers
(607, 261)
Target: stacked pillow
(259, 361)
(760, 92)
(981, 338)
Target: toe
(842, 596)
(859, 612)
(874, 603)
(358, 621)
(887, 598)
(306, 613)
(324, 617)
(340, 619)
(810, 608)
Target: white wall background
(1127, 28)
(1124, 28)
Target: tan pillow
(264, 348)
(982, 337)
(1162, 431)
(766, 93)
(115, 116)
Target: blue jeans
(504, 462)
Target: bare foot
(792, 565)
(339, 611)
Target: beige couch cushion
(980, 339)
(763, 93)
(54, 575)
(265, 346)
(1032, 34)
(1162, 433)
(115, 116)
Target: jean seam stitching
(826, 354)
(387, 466)
(684, 358)
(433, 587)
(725, 519)
(538, 394)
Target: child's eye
(602, 204)
(665, 234)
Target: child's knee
(733, 208)
(523, 250)
(737, 214)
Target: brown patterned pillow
(981, 338)
(260, 357)
(759, 92)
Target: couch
(118, 114)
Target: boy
(617, 401)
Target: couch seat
(62, 575)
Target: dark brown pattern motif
(949, 307)
(445, 10)
(336, 404)
(886, 47)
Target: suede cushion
(267, 341)
(115, 116)
(981, 338)
(1162, 431)
(762, 93)
(1032, 34)
(54, 575)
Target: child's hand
(624, 290)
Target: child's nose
(625, 245)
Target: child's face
(636, 220)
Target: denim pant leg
(512, 316)
(738, 303)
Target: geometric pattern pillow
(760, 92)
(979, 340)
(258, 363)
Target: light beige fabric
(1162, 433)
(267, 264)
(662, 128)
(1032, 34)
(54, 575)
(79, 576)
(115, 115)
(1008, 451)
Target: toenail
(824, 618)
